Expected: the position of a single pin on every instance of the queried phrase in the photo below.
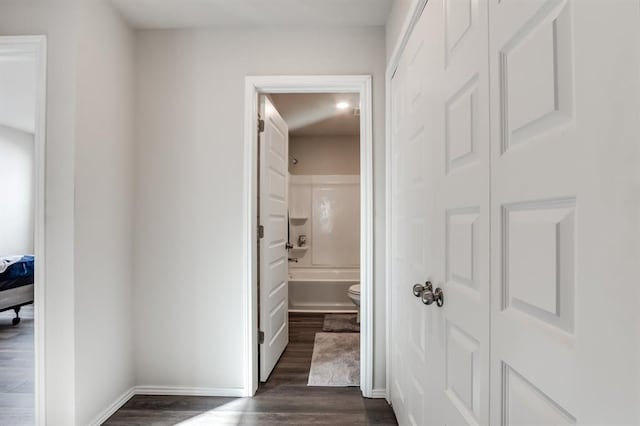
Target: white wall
(56, 19)
(17, 159)
(325, 155)
(104, 209)
(189, 159)
(400, 11)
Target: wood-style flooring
(284, 400)
(17, 369)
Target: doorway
(22, 163)
(256, 86)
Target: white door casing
(273, 284)
(530, 121)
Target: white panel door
(411, 213)
(459, 90)
(274, 304)
(565, 212)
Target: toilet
(354, 295)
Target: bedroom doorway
(22, 136)
(263, 121)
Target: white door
(521, 200)
(273, 284)
(412, 190)
(565, 212)
(459, 91)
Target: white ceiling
(157, 14)
(315, 114)
(18, 91)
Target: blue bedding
(18, 274)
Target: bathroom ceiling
(316, 114)
(157, 14)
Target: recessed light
(342, 105)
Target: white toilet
(354, 295)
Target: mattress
(18, 274)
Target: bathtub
(321, 290)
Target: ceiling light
(342, 105)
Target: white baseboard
(115, 406)
(189, 391)
(379, 393)
(163, 390)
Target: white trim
(162, 390)
(407, 27)
(113, 407)
(189, 391)
(311, 310)
(255, 85)
(37, 45)
(379, 393)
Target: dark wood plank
(17, 368)
(284, 400)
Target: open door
(273, 284)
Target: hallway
(284, 400)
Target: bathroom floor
(284, 400)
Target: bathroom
(324, 228)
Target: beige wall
(189, 182)
(325, 155)
(57, 20)
(104, 209)
(400, 12)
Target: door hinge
(260, 231)
(260, 125)
(260, 337)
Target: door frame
(37, 45)
(254, 86)
(415, 11)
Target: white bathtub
(321, 290)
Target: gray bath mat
(335, 360)
(341, 322)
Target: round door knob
(438, 295)
(427, 297)
(418, 289)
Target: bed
(16, 284)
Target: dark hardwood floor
(17, 369)
(284, 400)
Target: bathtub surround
(335, 360)
(321, 289)
(326, 209)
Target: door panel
(274, 292)
(564, 212)
(460, 93)
(515, 188)
(411, 237)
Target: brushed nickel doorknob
(429, 296)
(418, 289)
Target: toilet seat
(354, 289)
